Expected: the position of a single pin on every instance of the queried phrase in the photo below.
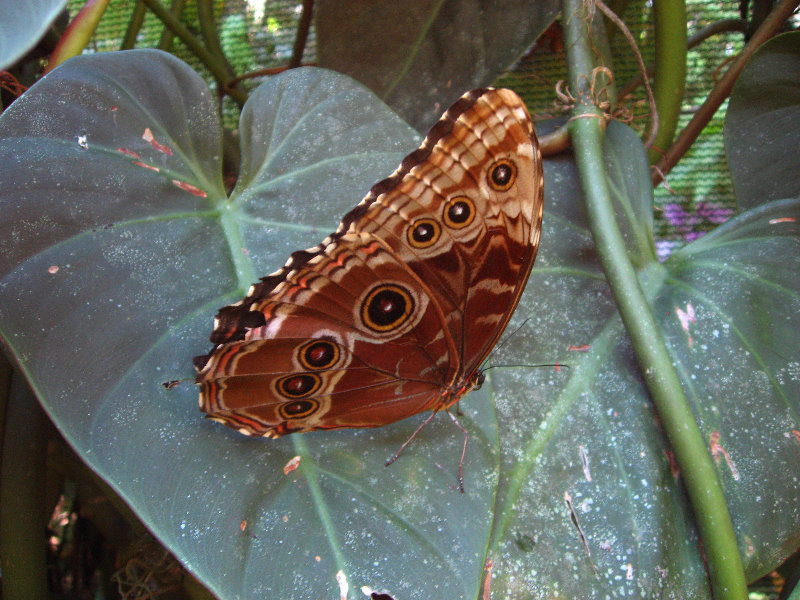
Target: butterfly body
(394, 313)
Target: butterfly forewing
(393, 313)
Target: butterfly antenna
(556, 365)
(504, 341)
(512, 334)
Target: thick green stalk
(22, 496)
(5, 390)
(670, 70)
(697, 467)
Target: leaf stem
(176, 8)
(78, 33)
(722, 89)
(208, 29)
(134, 26)
(639, 61)
(697, 467)
(217, 66)
(723, 26)
(22, 495)
(5, 390)
(303, 27)
(669, 19)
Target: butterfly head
(471, 383)
(475, 381)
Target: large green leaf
(420, 56)
(143, 263)
(762, 124)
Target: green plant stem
(134, 26)
(670, 73)
(176, 8)
(217, 66)
(78, 33)
(606, 59)
(5, 390)
(722, 89)
(301, 36)
(697, 467)
(22, 496)
(208, 28)
(723, 26)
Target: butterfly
(394, 313)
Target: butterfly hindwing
(393, 313)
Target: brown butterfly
(394, 313)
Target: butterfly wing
(464, 212)
(275, 386)
(409, 294)
(347, 336)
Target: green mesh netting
(254, 34)
(700, 194)
(257, 34)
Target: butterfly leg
(463, 451)
(408, 441)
